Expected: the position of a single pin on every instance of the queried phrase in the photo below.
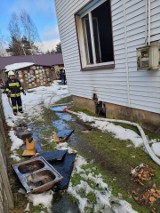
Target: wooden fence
(6, 199)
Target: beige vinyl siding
(143, 89)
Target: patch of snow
(103, 196)
(44, 198)
(79, 161)
(133, 171)
(118, 131)
(156, 148)
(27, 209)
(121, 206)
(34, 100)
(16, 142)
(15, 156)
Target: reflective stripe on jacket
(13, 88)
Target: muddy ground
(112, 157)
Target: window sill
(109, 66)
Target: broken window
(95, 34)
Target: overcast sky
(43, 14)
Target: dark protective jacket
(13, 88)
(63, 76)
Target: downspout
(149, 22)
(126, 51)
(146, 22)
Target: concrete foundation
(148, 120)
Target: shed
(32, 75)
(32, 70)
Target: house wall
(148, 120)
(123, 85)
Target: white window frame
(88, 10)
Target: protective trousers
(16, 101)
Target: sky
(42, 13)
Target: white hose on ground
(144, 138)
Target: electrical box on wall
(148, 58)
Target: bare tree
(29, 28)
(2, 45)
(14, 29)
(14, 26)
(23, 34)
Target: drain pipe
(144, 138)
(126, 51)
(146, 22)
(149, 22)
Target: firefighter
(63, 77)
(13, 89)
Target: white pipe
(149, 22)
(144, 138)
(126, 51)
(146, 22)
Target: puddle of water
(64, 116)
(73, 140)
(60, 125)
(62, 204)
(58, 108)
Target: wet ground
(67, 122)
(61, 202)
(80, 141)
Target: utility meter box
(148, 58)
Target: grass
(67, 99)
(75, 108)
(91, 198)
(151, 135)
(112, 158)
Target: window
(95, 34)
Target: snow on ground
(117, 131)
(105, 201)
(156, 148)
(44, 199)
(16, 142)
(34, 101)
(45, 96)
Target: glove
(24, 93)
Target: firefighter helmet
(11, 73)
